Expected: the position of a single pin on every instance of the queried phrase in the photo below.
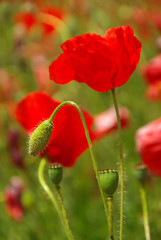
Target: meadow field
(26, 52)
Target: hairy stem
(63, 210)
(89, 144)
(145, 212)
(121, 162)
(51, 196)
(110, 214)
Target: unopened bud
(55, 172)
(109, 181)
(40, 138)
(141, 172)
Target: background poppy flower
(148, 144)
(32, 20)
(12, 198)
(102, 63)
(153, 91)
(13, 140)
(68, 138)
(152, 70)
(106, 122)
(28, 19)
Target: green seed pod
(141, 172)
(40, 138)
(55, 172)
(109, 181)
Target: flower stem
(63, 210)
(51, 196)
(145, 212)
(110, 214)
(121, 162)
(89, 144)
(56, 23)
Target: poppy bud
(141, 172)
(40, 138)
(55, 172)
(109, 181)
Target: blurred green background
(79, 188)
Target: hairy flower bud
(40, 138)
(109, 181)
(55, 172)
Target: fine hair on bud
(40, 138)
(109, 181)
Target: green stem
(63, 210)
(145, 212)
(110, 214)
(50, 194)
(121, 162)
(89, 144)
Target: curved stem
(145, 212)
(89, 144)
(63, 211)
(110, 214)
(50, 194)
(121, 162)
(56, 23)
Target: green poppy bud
(109, 181)
(55, 172)
(141, 172)
(40, 138)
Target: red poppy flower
(68, 138)
(102, 63)
(148, 143)
(142, 18)
(106, 122)
(157, 20)
(26, 18)
(14, 150)
(153, 91)
(152, 70)
(37, 19)
(12, 197)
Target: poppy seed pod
(109, 181)
(40, 138)
(141, 172)
(55, 172)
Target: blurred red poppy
(68, 139)
(13, 142)
(148, 143)
(106, 122)
(153, 91)
(12, 198)
(156, 17)
(27, 19)
(102, 63)
(47, 18)
(152, 70)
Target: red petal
(101, 63)
(106, 122)
(68, 139)
(148, 142)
